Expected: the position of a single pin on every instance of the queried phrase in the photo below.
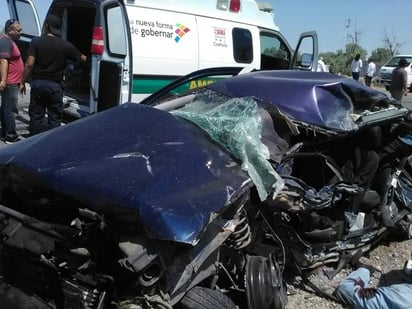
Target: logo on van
(180, 31)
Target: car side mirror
(306, 60)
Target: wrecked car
(347, 181)
(203, 199)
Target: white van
(135, 47)
(385, 72)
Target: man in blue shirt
(356, 292)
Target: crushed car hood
(130, 157)
(322, 100)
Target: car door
(25, 12)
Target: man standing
(321, 65)
(356, 67)
(370, 72)
(46, 61)
(399, 81)
(11, 72)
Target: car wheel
(204, 298)
(387, 88)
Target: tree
(381, 55)
(391, 43)
(339, 61)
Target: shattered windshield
(235, 124)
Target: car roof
(316, 98)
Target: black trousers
(46, 97)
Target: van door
(113, 79)
(276, 53)
(25, 12)
(306, 52)
(104, 37)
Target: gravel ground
(389, 258)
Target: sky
(334, 19)
(42, 6)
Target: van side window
(116, 31)
(25, 15)
(275, 54)
(242, 45)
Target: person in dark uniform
(46, 62)
(399, 81)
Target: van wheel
(387, 88)
(204, 298)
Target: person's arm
(28, 66)
(4, 68)
(405, 82)
(347, 290)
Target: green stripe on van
(145, 85)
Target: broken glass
(236, 125)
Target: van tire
(204, 298)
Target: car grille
(386, 75)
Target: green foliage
(381, 55)
(340, 61)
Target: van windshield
(395, 60)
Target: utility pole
(347, 27)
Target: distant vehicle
(385, 72)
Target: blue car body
(206, 195)
(134, 163)
(158, 170)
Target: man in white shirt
(356, 67)
(321, 65)
(370, 72)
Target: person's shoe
(12, 141)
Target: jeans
(397, 296)
(8, 111)
(45, 96)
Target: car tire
(387, 88)
(204, 298)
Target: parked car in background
(202, 199)
(385, 72)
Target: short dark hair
(402, 62)
(9, 23)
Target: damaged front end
(89, 265)
(147, 211)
